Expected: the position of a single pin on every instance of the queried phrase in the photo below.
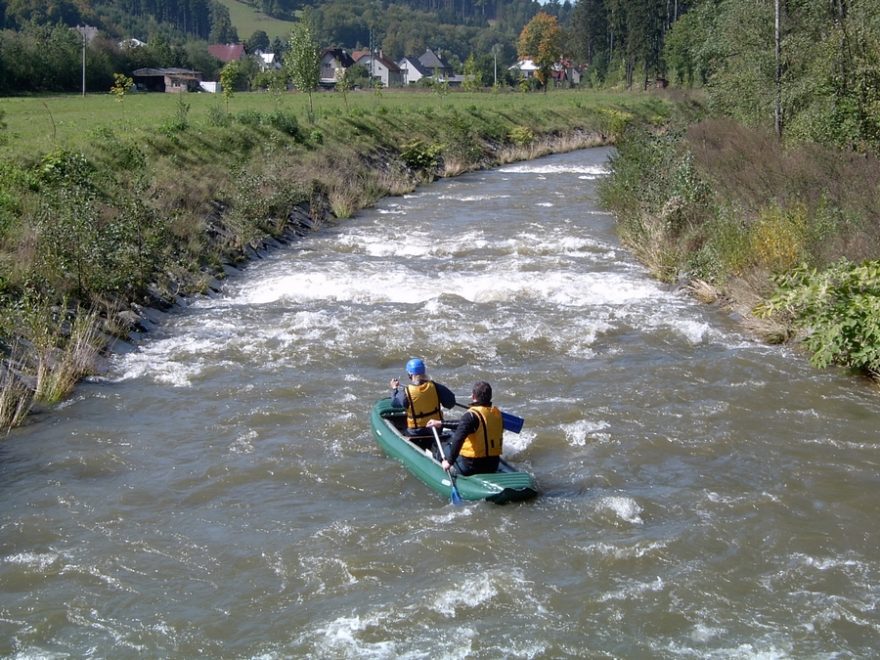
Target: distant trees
(828, 81)
(259, 40)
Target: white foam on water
(516, 443)
(625, 552)
(578, 433)
(633, 589)
(471, 593)
(539, 168)
(244, 443)
(38, 561)
(546, 204)
(472, 198)
(392, 210)
(341, 638)
(625, 508)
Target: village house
(412, 70)
(563, 72)
(333, 59)
(267, 61)
(436, 64)
(526, 68)
(228, 52)
(167, 80)
(381, 68)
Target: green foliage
(663, 205)
(65, 169)
(227, 81)
(420, 156)
(778, 237)
(304, 61)
(122, 85)
(217, 116)
(473, 76)
(521, 136)
(286, 122)
(839, 308)
(249, 118)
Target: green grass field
(35, 125)
(248, 20)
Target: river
(218, 492)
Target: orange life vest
(486, 440)
(422, 404)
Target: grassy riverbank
(108, 207)
(787, 236)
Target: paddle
(453, 495)
(511, 423)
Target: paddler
(422, 399)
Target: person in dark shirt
(476, 443)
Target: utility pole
(372, 68)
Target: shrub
(420, 156)
(839, 309)
(521, 136)
(217, 116)
(777, 238)
(286, 122)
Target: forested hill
(342, 20)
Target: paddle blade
(455, 497)
(512, 423)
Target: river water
(218, 493)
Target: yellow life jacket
(422, 404)
(486, 440)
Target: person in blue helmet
(423, 400)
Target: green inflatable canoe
(506, 485)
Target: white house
(333, 59)
(526, 67)
(383, 69)
(267, 61)
(412, 70)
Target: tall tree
(541, 41)
(304, 60)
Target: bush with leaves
(838, 309)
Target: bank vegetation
(786, 236)
(111, 207)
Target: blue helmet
(415, 367)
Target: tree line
(814, 73)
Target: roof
(384, 61)
(524, 65)
(132, 42)
(411, 61)
(148, 72)
(227, 52)
(432, 60)
(340, 55)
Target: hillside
(247, 19)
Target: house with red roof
(228, 52)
